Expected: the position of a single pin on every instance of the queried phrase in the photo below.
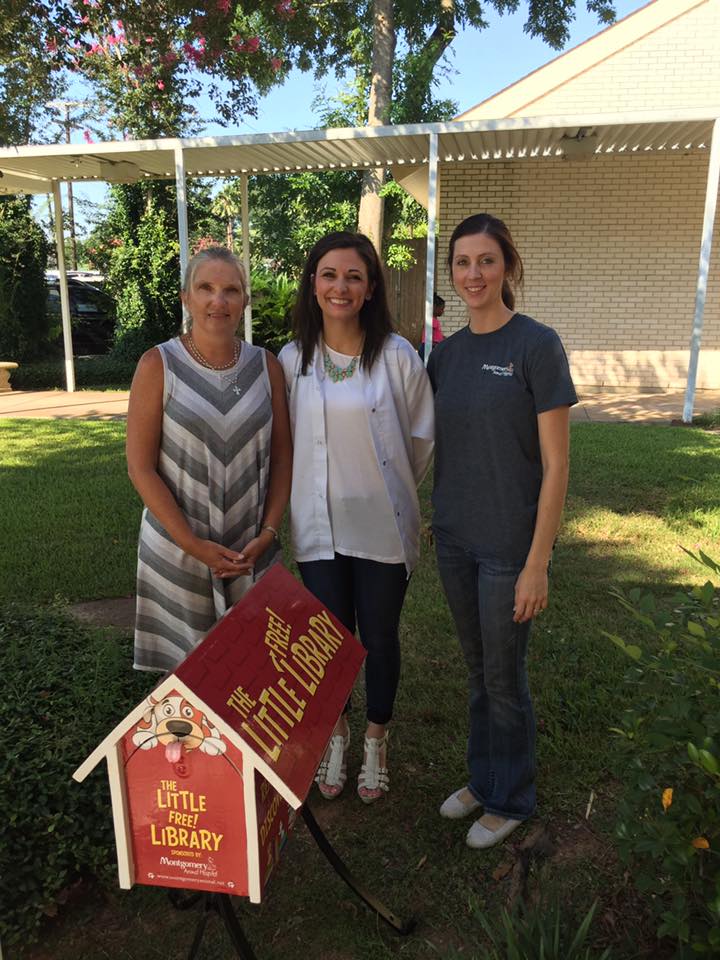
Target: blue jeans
(370, 593)
(501, 746)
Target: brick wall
(675, 66)
(611, 248)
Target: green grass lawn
(637, 493)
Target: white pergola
(40, 169)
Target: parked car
(92, 314)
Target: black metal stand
(402, 927)
(221, 903)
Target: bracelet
(273, 531)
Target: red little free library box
(204, 772)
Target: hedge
(102, 371)
(65, 687)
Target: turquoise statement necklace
(335, 372)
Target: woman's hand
(531, 593)
(246, 559)
(222, 561)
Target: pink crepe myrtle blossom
(223, 6)
(285, 9)
(87, 137)
(192, 54)
(160, 85)
(276, 63)
(51, 45)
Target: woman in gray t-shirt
(502, 396)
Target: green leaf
(695, 629)
(709, 762)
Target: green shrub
(24, 325)
(709, 420)
(273, 297)
(669, 817)
(144, 267)
(64, 688)
(109, 371)
(537, 933)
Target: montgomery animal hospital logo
(499, 371)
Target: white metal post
(711, 191)
(431, 236)
(245, 217)
(62, 280)
(181, 194)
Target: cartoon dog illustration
(174, 720)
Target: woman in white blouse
(361, 411)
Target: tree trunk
(426, 59)
(370, 216)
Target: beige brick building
(610, 242)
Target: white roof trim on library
(35, 169)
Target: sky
(480, 63)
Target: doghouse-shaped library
(206, 772)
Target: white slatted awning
(34, 168)
(412, 151)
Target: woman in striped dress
(209, 452)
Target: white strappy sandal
(332, 772)
(373, 779)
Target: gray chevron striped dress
(215, 459)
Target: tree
(370, 215)
(425, 30)
(23, 257)
(148, 61)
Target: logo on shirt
(499, 371)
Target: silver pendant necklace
(234, 386)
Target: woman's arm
(280, 464)
(418, 398)
(144, 429)
(531, 589)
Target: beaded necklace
(335, 372)
(203, 361)
(196, 355)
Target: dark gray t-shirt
(489, 389)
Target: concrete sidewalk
(630, 406)
(60, 405)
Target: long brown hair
(375, 319)
(495, 228)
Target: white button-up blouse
(399, 408)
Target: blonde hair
(207, 255)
